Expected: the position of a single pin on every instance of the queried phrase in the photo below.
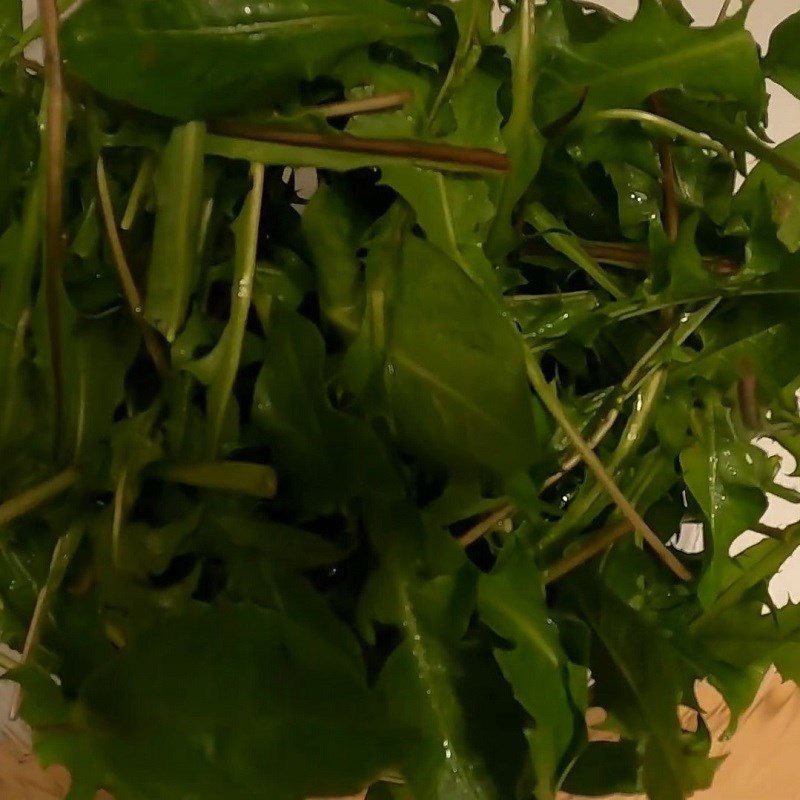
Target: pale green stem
(144, 178)
(553, 405)
(552, 230)
(667, 127)
(37, 495)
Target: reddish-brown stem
(672, 214)
(129, 288)
(344, 142)
(54, 250)
(635, 256)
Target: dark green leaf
(511, 601)
(310, 724)
(783, 61)
(166, 59)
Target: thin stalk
(671, 213)
(486, 525)
(119, 512)
(344, 142)
(129, 288)
(636, 426)
(37, 495)
(553, 405)
(55, 133)
(631, 256)
(685, 329)
(366, 105)
(723, 12)
(143, 179)
(668, 127)
(65, 549)
(597, 544)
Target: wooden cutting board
(761, 759)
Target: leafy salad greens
(380, 484)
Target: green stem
(65, 549)
(144, 178)
(129, 288)
(37, 495)
(784, 492)
(552, 230)
(667, 127)
(553, 405)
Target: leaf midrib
(327, 21)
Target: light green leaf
(454, 375)
(174, 265)
(453, 211)
(523, 142)
(727, 478)
(221, 365)
(651, 53)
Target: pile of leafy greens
(379, 484)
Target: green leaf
(636, 681)
(450, 366)
(423, 680)
(173, 268)
(219, 367)
(10, 25)
(782, 62)
(511, 601)
(101, 352)
(604, 767)
(166, 59)
(19, 251)
(334, 224)
(323, 456)
(312, 728)
(651, 53)
(524, 144)
(453, 211)
(750, 334)
(783, 194)
(727, 478)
